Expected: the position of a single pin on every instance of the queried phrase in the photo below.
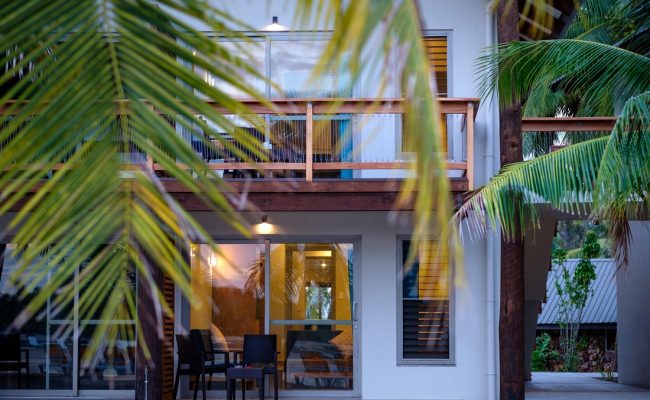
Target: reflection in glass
(39, 354)
(254, 54)
(113, 367)
(292, 67)
(230, 288)
(311, 312)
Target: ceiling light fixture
(275, 26)
(264, 228)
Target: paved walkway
(579, 386)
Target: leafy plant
(543, 353)
(573, 289)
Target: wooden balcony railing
(325, 138)
(345, 138)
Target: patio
(567, 385)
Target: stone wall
(593, 352)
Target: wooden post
(511, 316)
(470, 145)
(149, 369)
(309, 144)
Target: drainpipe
(492, 273)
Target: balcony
(360, 148)
(303, 139)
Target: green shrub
(543, 353)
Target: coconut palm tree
(95, 92)
(609, 22)
(605, 177)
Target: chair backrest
(260, 349)
(202, 341)
(10, 347)
(187, 353)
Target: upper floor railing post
(309, 141)
(470, 144)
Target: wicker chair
(194, 360)
(260, 358)
(202, 339)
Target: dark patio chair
(261, 351)
(11, 359)
(193, 361)
(202, 339)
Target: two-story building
(325, 271)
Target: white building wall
(381, 377)
(633, 328)
(470, 26)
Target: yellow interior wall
(342, 287)
(298, 274)
(279, 298)
(200, 313)
(278, 279)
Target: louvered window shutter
(425, 303)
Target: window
(293, 61)
(288, 62)
(436, 48)
(424, 310)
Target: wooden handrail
(567, 124)
(320, 105)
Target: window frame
(401, 361)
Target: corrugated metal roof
(601, 304)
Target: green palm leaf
(607, 178)
(380, 29)
(87, 67)
(598, 75)
(93, 84)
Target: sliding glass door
(311, 311)
(301, 292)
(42, 358)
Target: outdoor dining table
(244, 373)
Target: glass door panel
(311, 311)
(229, 287)
(39, 356)
(111, 366)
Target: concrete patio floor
(544, 386)
(578, 386)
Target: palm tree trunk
(511, 322)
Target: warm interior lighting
(323, 264)
(264, 228)
(275, 26)
(212, 260)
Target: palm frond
(621, 190)
(389, 32)
(600, 75)
(606, 178)
(106, 85)
(562, 179)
